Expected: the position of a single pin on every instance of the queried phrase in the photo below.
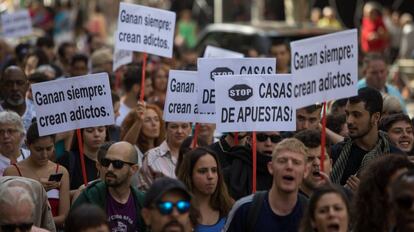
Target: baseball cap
(161, 186)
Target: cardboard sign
(255, 103)
(181, 100)
(145, 29)
(121, 57)
(72, 103)
(212, 51)
(325, 67)
(210, 68)
(16, 24)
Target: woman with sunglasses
(201, 173)
(53, 177)
(328, 210)
(144, 128)
(92, 139)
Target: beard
(16, 102)
(175, 223)
(115, 180)
(362, 132)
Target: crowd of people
(146, 174)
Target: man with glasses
(13, 87)
(11, 136)
(121, 202)
(167, 206)
(238, 175)
(17, 210)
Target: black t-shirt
(267, 220)
(221, 148)
(71, 161)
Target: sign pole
(144, 67)
(81, 156)
(323, 136)
(254, 161)
(196, 130)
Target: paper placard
(72, 103)
(255, 103)
(16, 24)
(212, 51)
(145, 29)
(325, 67)
(210, 68)
(181, 100)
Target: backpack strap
(254, 210)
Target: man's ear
(134, 169)
(375, 117)
(270, 167)
(146, 215)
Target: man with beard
(121, 202)
(167, 206)
(13, 86)
(315, 177)
(366, 142)
(281, 208)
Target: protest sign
(325, 67)
(210, 68)
(145, 29)
(121, 57)
(181, 100)
(16, 24)
(255, 103)
(212, 51)
(72, 103)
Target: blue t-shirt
(267, 221)
(211, 228)
(121, 217)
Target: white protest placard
(16, 24)
(255, 103)
(210, 68)
(145, 29)
(121, 57)
(181, 100)
(212, 51)
(72, 103)
(325, 67)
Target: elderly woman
(12, 134)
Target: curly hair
(220, 200)
(371, 201)
(142, 139)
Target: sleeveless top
(52, 195)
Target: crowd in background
(143, 173)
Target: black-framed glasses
(118, 164)
(166, 207)
(13, 227)
(264, 137)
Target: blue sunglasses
(166, 207)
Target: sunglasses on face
(273, 138)
(118, 164)
(13, 227)
(404, 202)
(166, 207)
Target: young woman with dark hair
(201, 173)
(328, 210)
(53, 177)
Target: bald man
(13, 88)
(115, 195)
(17, 210)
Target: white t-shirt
(5, 162)
(123, 111)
